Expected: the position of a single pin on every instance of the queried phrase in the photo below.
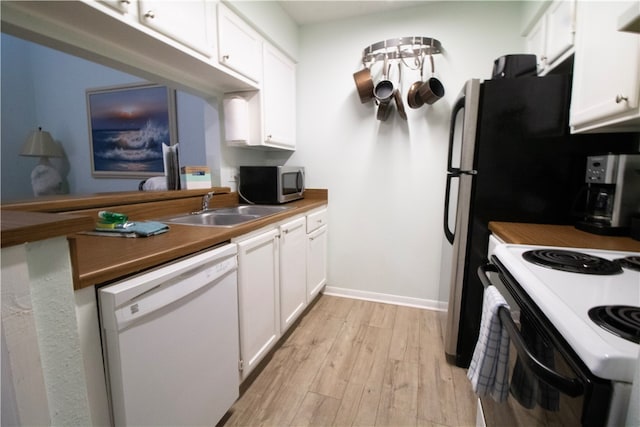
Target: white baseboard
(386, 298)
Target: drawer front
(316, 220)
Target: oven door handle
(570, 386)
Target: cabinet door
(536, 43)
(606, 86)
(123, 6)
(184, 21)
(279, 98)
(560, 28)
(258, 298)
(316, 261)
(239, 45)
(293, 289)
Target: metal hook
(433, 68)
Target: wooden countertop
(22, 227)
(99, 259)
(559, 235)
(67, 203)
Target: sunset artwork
(128, 127)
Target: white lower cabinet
(293, 271)
(316, 261)
(280, 270)
(258, 297)
(317, 231)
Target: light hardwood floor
(358, 363)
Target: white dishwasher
(170, 341)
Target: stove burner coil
(574, 262)
(620, 320)
(630, 262)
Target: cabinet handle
(620, 98)
(225, 57)
(127, 2)
(269, 137)
(150, 14)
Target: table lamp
(45, 179)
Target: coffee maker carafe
(613, 193)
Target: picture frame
(128, 125)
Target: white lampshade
(40, 144)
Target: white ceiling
(310, 12)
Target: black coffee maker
(613, 194)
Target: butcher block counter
(559, 235)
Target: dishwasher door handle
(163, 295)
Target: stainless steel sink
(226, 217)
(260, 210)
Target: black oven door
(549, 385)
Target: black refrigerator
(511, 158)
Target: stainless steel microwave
(271, 184)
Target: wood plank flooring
(358, 363)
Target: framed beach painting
(127, 127)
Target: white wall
(386, 179)
(18, 78)
(41, 341)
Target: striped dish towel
(489, 366)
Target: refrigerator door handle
(447, 196)
(457, 172)
(459, 105)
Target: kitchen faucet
(205, 200)
(205, 203)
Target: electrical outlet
(228, 177)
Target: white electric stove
(566, 298)
(576, 371)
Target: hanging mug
(364, 84)
(414, 100)
(384, 89)
(431, 90)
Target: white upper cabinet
(552, 37)
(560, 29)
(187, 22)
(239, 45)
(606, 76)
(123, 6)
(278, 99)
(536, 40)
(265, 119)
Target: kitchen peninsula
(49, 273)
(99, 259)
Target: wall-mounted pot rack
(410, 52)
(400, 48)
